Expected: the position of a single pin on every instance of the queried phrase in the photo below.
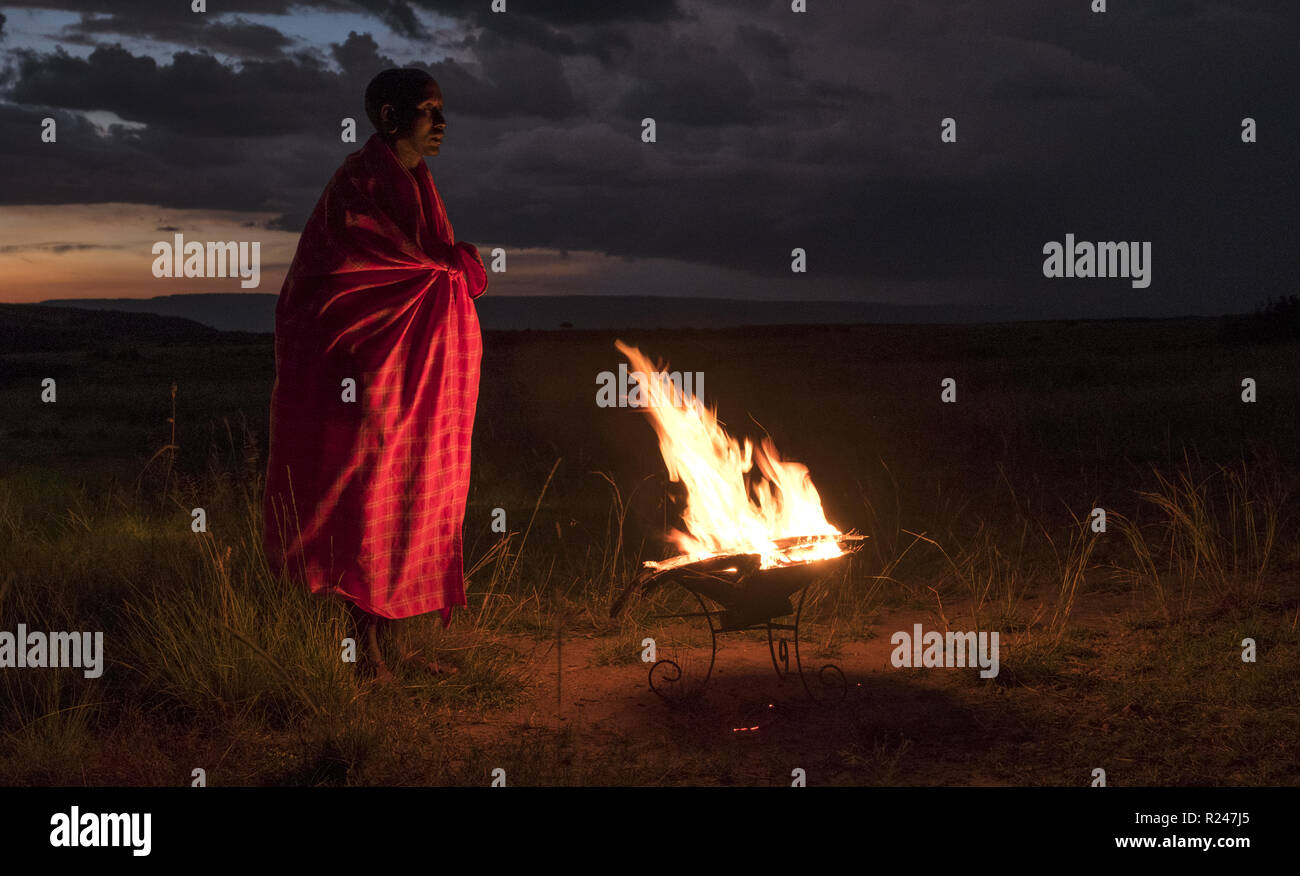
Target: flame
(727, 512)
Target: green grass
(982, 524)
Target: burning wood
(774, 513)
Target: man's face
(425, 134)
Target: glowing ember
(730, 509)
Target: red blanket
(366, 498)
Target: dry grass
(213, 661)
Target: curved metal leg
(836, 677)
(671, 665)
(774, 646)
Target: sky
(775, 130)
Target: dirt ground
(894, 726)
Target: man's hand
(468, 251)
(446, 256)
(472, 250)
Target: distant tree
(1281, 305)
(1275, 320)
(1279, 318)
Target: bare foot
(376, 670)
(372, 657)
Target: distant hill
(27, 328)
(35, 329)
(226, 311)
(255, 312)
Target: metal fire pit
(749, 598)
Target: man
(377, 350)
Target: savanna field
(1120, 650)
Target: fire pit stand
(751, 598)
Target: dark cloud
(838, 95)
(173, 21)
(195, 93)
(775, 130)
(398, 15)
(236, 38)
(562, 12)
(690, 84)
(517, 80)
(170, 9)
(149, 166)
(198, 95)
(58, 248)
(359, 56)
(767, 47)
(605, 43)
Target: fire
(730, 509)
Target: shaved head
(400, 88)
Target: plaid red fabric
(365, 498)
